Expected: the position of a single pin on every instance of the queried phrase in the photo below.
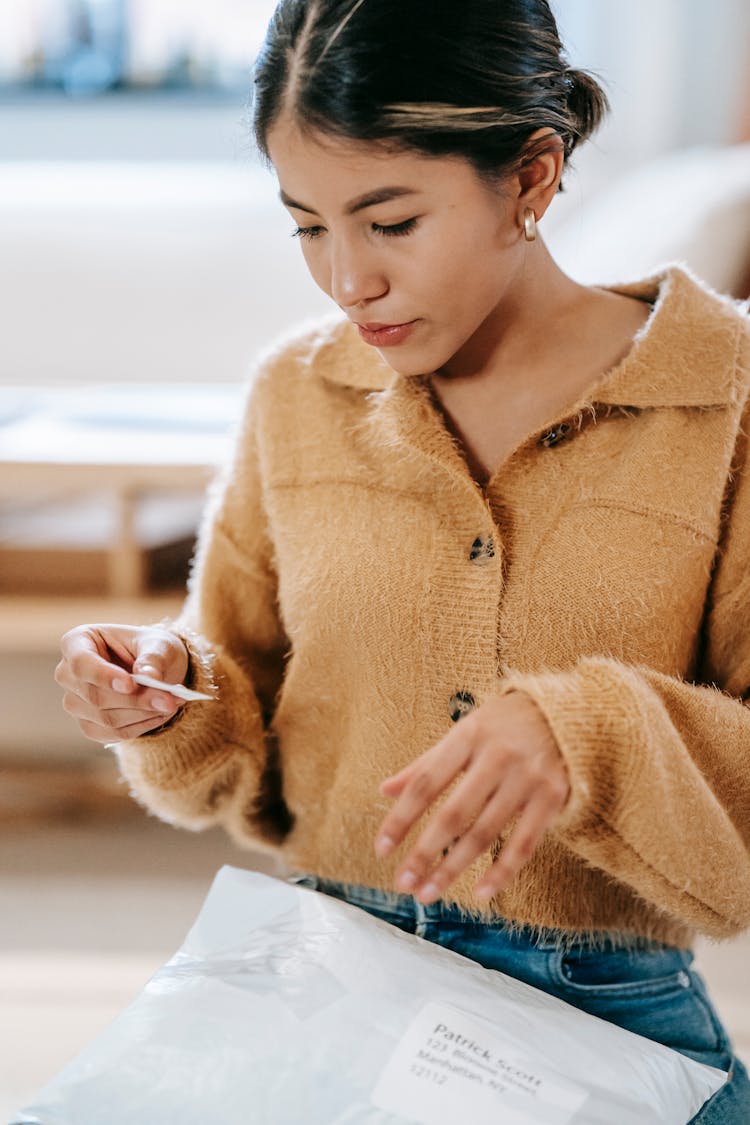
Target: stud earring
(529, 225)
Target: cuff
(201, 737)
(594, 715)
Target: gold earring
(529, 225)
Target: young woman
(473, 596)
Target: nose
(355, 275)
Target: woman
(472, 598)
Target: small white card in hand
(179, 690)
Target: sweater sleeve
(216, 762)
(659, 767)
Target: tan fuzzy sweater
(355, 590)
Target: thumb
(161, 654)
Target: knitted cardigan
(355, 591)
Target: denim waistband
(405, 908)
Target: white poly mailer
(287, 1007)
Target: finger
(446, 826)
(532, 824)
(106, 735)
(115, 718)
(495, 814)
(102, 699)
(393, 785)
(150, 699)
(83, 662)
(431, 774)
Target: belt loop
(421, 916)
(303, 880)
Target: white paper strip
(179, 690)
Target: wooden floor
(89, 909)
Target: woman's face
(404, 239)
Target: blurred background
(144, 261)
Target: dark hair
(471, 78)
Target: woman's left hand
(511, 764)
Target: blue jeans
(652, 990)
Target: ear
(539, 177)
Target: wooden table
(126, 443)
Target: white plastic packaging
(287, 1007)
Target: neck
(522, 327)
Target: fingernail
(161, 703)
(147, 670)
(121, 686)
(429, 891)
(483, 891)
(407, 881)
(383, 845)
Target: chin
(402, 366)
(414, 364)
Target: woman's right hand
(100, 692)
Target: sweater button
(482, 550)
(461, 704)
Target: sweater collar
(685, 355)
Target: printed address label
(449, 1067)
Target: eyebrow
(370, 199)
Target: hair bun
(587, 102)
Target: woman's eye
(394, 231)
(397, 229)
(307, 232)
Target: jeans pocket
(652, 992)
(622, 972)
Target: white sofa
(145, 272)
(691, 205)
(141, 272)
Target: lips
(386, 335)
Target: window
(84, 47)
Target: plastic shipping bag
(285, 1006)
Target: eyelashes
(398, 230)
